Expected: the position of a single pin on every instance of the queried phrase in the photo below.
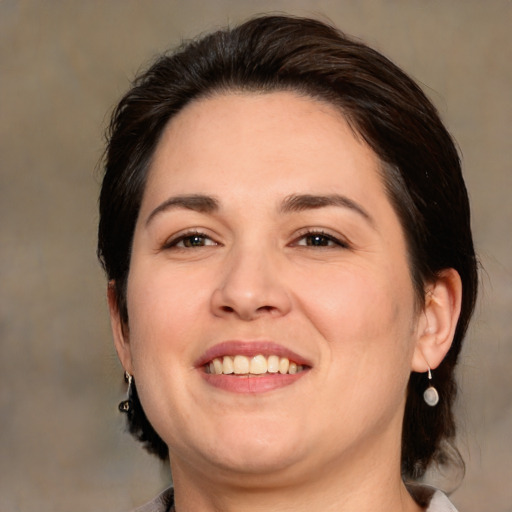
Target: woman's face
(265, 230)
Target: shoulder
(440, 503)
(162, 503)
(432, 499)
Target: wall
(63, 64)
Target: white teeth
(218, 366)
(284, 364)
(256, 365)
(273, 364)
(241, 365)
(227, 365)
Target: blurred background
(63, 65)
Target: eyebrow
(293, 203)
(195, 202)
(301, 202)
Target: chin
(256, 462)
(255, 448)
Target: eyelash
(320, 235)
(173, 242)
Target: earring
(431, 396)
(126, 405)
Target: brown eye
(320, 240)
(194, 241)
(191, 241)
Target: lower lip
(252, 384)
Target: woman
(286, 234)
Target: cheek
(163, 310)
(365, 363)
(359, 303)
(163, 326)
(367, 323)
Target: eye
(190, 241)
(319, 239)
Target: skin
(331, 439)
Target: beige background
(63, 64)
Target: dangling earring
(431, 396)
(126, 405)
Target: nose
(251, 287)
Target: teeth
(284, 364)
(227, 365)
(273, 364)
(218, 366)
(257, 365)
(241, 365)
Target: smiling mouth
(240, 365)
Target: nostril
(227, 309)
(266, 308)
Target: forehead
(242, 139)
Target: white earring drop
(431, 396)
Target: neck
(367, 479)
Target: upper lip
(249, 349)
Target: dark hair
(420, 167)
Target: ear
(437, 322)
(120, 331)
